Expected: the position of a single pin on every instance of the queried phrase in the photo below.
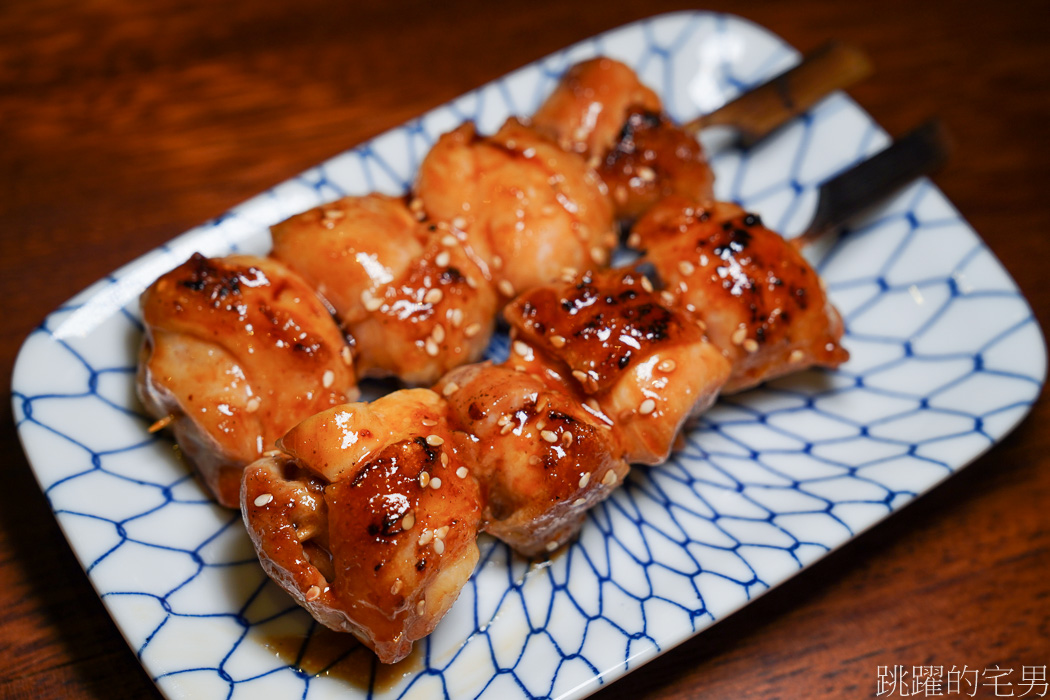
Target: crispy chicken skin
(369, 518)
(525, 207)
(762, 303)
(237, 350)
(647, 366)
(409, 293)
(587, 109)
(542, 458)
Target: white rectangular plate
(946, 358)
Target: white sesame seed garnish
(421, 606)
(667, 365)
(334, 214)
(579, 502)
(686, 267)
(425, 537)
(444, 459)
(503, 419)
(580, 376)
(472, 283)
(646, 407)
(435, 483)
(253, 404)
(456, 317)
(441, 532)
(408, 521)
(424, 479)
(347, 355)
(506, 428)
(438, 334)
(448, 239)
(535, 461)
(549, 436)
(521, 348)
(396, 587)
(497, 262)
(796, 356)
(584, 480)
(435, 440)
(472, 330)
(459, 222)
(593, 404)
(634, 240)
(541, 403)
(568, 274)
(433, 296)
(328, 378)
(597, 255)
(505, 288)
(751, 345)
(450, 389)
(646, 284)
(739, 335)
(552, 545)
(541, 424)
(371, 301)
(429, 422)
(431, 347)
(442, 259)
(646, 173)
(439, 546)
(566, 439)
(262, 500)
(558, 341)
(313, 593)
(609, 479)
(462, 472)
(667, 298)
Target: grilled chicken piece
(587, 110)
(524, 206)
(654, 158)
(647, 366)
(543, 459)
(409, 293)
(369, 518)
(237, 350)
(762, 303)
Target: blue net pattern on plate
(765, 483)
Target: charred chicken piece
(237, 350)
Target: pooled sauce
(341, 656)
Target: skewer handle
(756, 113)
(844, 196)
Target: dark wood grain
(124, 123)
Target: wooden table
(124, 123)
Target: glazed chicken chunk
(369, 518)
(763, 305)
(237, 350)
(541, 457)
(647, 367)
(524, 206)
(411, 296)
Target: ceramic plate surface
(946, 358)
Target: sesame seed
(686, 267)
(503, 419)
(328, 378)
(796, 356)
(444, 459)
(751, 345)
(425, 537)
(421, 606)
(450, 389)
(456, 317)
(580, 376)
(313, 593)
(739, 335)
(471, 283)
(371, 301)
(541, 424)
(646, 173)
(609, 479)
(433, 296)
(334, 214)
(667, 298)
(566, 439)
(416, 204)
(396, 588)
(634, 240)
(568, 274)
(435, 440)
(448, 239)
(558, 341)
(424, 479)
(442, 259)
(646, 284)
(262, 500)
(472, 330)
(506, 428)
(429, 422)
(462, 472)
(497, 262)
(441, 532)
(535, 461)
(438, 334)
(667, 365)
(549, 436)
(505, 288)
(431, 347)
(459, 222)
(408, 521)
(347, 355)
(439, 546)
(584, 480)
(579, 502)
(541, 403)
(593, 404)
(435, 483)
(646, 407)
(552, 545)
(521, 348)
(253, 404)
(597, 255)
